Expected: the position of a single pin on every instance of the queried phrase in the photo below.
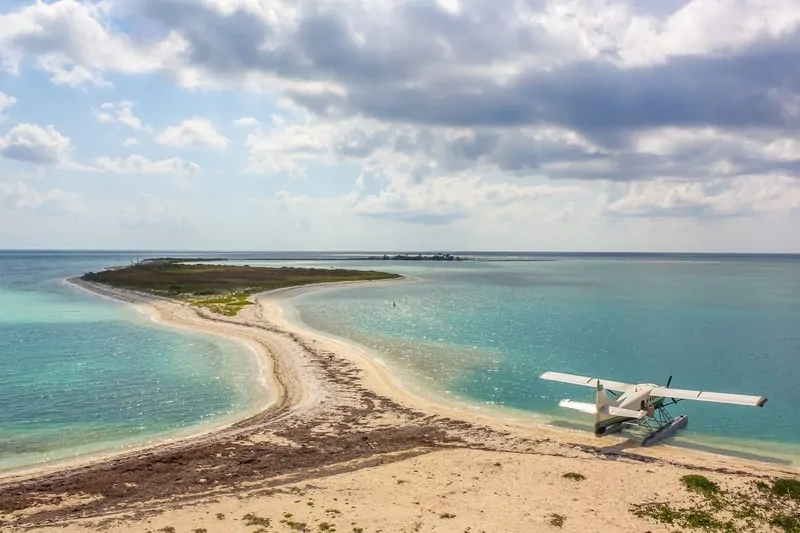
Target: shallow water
(81, 374)
(484, 331)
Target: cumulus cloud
(130, 141)
(434, 201)
(295, 138)
(6, 101)
(195, 133)
(121, 112)
(246, 122)
(34, 144)
(463, 94)
(743, 195)
(19, 196)
(138, 164)
(74, 42)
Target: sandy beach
(340, 446)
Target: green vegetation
(753, 508)
(221, 289)
(297, 526)
(787, 487)
(700, 484)
(252, 520)
(418, 257)
(574, 476)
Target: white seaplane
(643, 405)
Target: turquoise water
(81, 374)
(484, 331)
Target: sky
(437, 125)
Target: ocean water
(82, 374)
(481, 332)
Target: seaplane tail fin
(578, 406)
(601, 400)
(610, 410)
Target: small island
(223, 289)
(417, 257)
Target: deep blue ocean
(82, 374)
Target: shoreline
(336, 411)
(137, 301)
(431, 399)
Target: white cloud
(193, 132)
(450, 108)
(121, 112)
(6, 101)
(293, 139)
(20, 196)
(246, 122)
(64, 73)
(74, 41)
(33, 144)
(740, 196)
(138, 164)
(433, 201)
(678, 141)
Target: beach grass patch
(297, 526)
(574, 476)
(557, 520)
(253, 520)
(786, 487)
(753, 507)
(786, 523)
(700, 484)
(660, 512)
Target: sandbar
(340, 445)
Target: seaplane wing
(703, 396)
(586, 382)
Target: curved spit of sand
(338, 428)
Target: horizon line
(378, 252)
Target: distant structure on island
(418, 257)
